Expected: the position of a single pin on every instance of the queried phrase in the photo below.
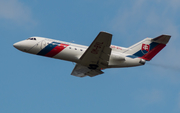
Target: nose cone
(17, 45)
(24, 46)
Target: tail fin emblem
(145, 48)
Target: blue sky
(34, 84)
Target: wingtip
(105, 32)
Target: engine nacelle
(117, 57)
(121, 60)
(142, 61)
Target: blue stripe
(48, 48)
(140, 53)
(131, 56)
(153, 45)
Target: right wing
(95, 58)
(98, 53)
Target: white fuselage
(73, 52)
(90, 61)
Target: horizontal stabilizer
(163, 39)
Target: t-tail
(148, 48)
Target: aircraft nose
(17, 45)
(23, 45)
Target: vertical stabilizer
(148, 48)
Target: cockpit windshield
(31, 39)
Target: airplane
(100, 55)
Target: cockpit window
(31, 39)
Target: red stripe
(56, 50)
(153, 52)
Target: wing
(98, 52)
(96, 57)
(82, 71)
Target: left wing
(82, 71)
(96, 57)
